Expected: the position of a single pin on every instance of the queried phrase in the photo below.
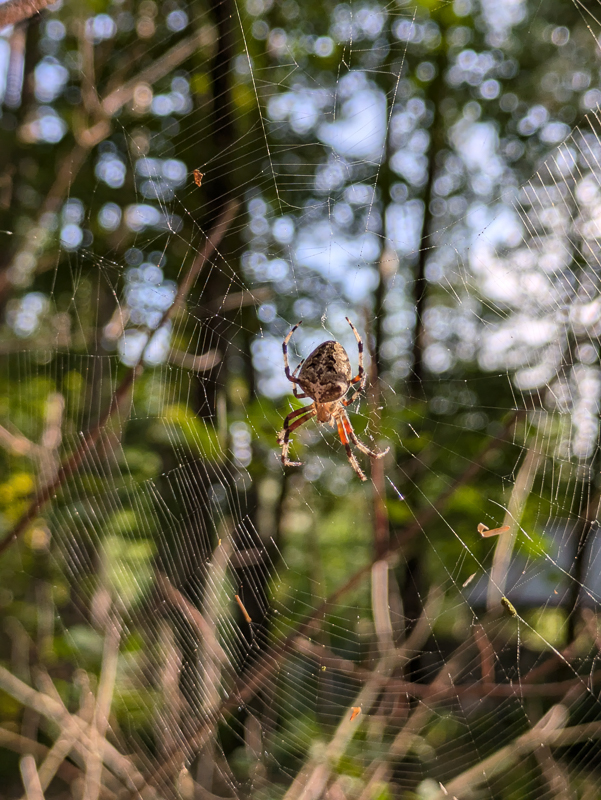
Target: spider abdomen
(326, 373)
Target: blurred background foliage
(429, 170)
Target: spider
(325, 377)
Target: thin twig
(381, 607)
(554, 775)
(487, 655)
(52, 709)
(515, 509)
(380, 769)
(66, 772)
(168, 712)
(114, 101)
(548, 732)
(18, 444)
(311, 781)
(65, 741)
(193, 615)
(31, 779)
(430, 691)
(104, 699)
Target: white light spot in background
(131, 345)
(50, 79)
(361, 130)
(139, 216)
(55, 30)
(241, 439)
(71, 236)
(111, 169)
(100, 27)
(73, 211)
(324, 46)
(438, 358)
(109, 216)
(283, 230)
(23, 315)
(177, 21)
(47, 126)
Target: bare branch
(25, 260)
(66, 741)
(199, 363)
(15, 11)
(517, 502)
(193, 615)
(157, 70)
(31, 779)
(433, 692)
(311, 781)
(18, 444)
(104, 699)
(548, 732)
(487, 655)
(65, 771)
(53, 710)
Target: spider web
(235, 629)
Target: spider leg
(361, 376)
(294, 387)
(290, 377)
(352, 398)
(349, 453)
(289, 426)
(357, 442)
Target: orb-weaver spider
(325, 377)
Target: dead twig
(550, 731)
(31, 779)
(313, 778)
(18, 444)
(487, 655)
(53, 710)
(104, 699)
(200, 363)
(515, 509)
(65, 742)
(66, 772)
(193, 615)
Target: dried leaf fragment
(355, 712)
(198, 176)
(508, 605)
(486, 532)
(245, 613)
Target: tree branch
(50, 708)
(18, 10)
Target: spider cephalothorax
(325, 377)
